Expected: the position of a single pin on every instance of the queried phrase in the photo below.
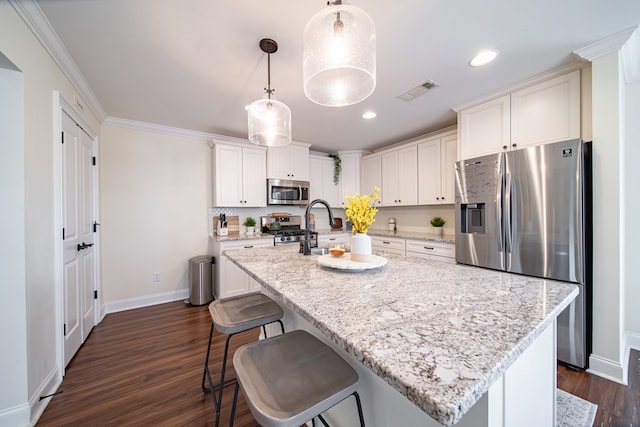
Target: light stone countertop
(240, 236)
(440, 334)
(416, 235)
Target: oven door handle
(299, 193)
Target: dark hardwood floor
(618, 405)
(144, 367)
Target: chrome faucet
(306, 249)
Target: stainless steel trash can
(201, 276)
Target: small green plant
(337, 168)
(249, 222)
(436, 221)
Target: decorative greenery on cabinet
(337, 168)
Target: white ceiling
(195, 64)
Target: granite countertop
(240, 236)
(440, 334)
(416, 235)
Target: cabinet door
(371, 175)
(233, 281)
(278, 163)
(299, 162)
(408, 176)
(254, 177)
(448, 156)
(546, 112)
(330, 191)
(228, 178)
(316, 179)
(350, 176)
(389, 162)
(485, 128)
(429, 175)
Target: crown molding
(627, 42)
(41, 28)
(605, 46)
(169, 130)
(576, 65)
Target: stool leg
(221, 384)
(233, 405)
(206, 361)
(360, 415)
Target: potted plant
(437, 223)
(250, 223)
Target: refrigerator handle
(499, 203)
(499, 227)
(507, 213)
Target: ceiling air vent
(419, 90)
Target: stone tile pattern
(439, 334)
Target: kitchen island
(433, 343)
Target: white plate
(344, 262)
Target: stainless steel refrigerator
(527, 211)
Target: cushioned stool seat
(290, 379)
(231, 316)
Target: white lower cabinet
(230, 279)
(433, 251)
(325, 240)
(390, 245)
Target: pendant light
(269, 120)
(339, 56)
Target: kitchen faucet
(306, 246)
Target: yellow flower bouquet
(361, 210)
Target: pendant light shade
(339, 56)
(269, 120)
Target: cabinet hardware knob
(504, 147)
(514, 145)
(428, 247)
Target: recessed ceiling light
(369, 115)
(483, 58)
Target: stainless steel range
(286, 229)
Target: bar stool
(292, 378)
(232, 316)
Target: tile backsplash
(408, 218)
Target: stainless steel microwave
(287, 192)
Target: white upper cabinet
(371, 175)
(321, 181)
(485, 128)
(538, 114)
(239, 176)
(400, 177)
(350, 175)
(436, 176)
(289, 162)
(546, 112)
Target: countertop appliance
(528, 211)
(287, 192)
(286, 229)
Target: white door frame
(60, 105)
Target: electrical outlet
(156, 276)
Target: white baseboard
(145, 301)
(609, 369)
(633, 340)
(15, 416)
(49, 386)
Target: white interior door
(87, 255)
(78, 238)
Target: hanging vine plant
(337, 168)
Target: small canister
(392, 224)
